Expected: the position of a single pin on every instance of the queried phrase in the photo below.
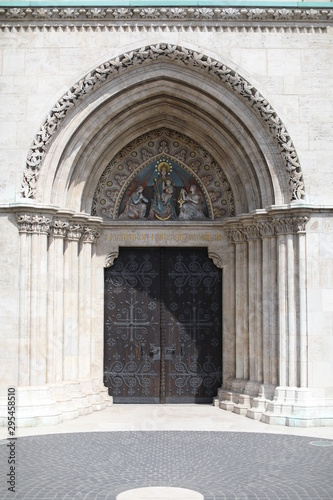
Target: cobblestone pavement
(219, 465)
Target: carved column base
(244, 403)
(55, 403)
(295, 407)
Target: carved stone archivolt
(178, 55)
(133, 187)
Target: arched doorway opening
(244, 169)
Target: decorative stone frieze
(181, 56)
(191, 16)
(246, 231)
(33, 223)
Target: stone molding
(61, 228)
(216, 258)
(110, 258)
(205, 18)
(179, 55)
(267, 229)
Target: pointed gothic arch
(170, 86)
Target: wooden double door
(163, 326)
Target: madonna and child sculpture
(165, 194)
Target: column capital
(74, 231)
(236, 235)
(59, 228)
(90, 234)
(33, 223)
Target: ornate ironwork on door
(162, 324)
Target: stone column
(71, 302)
(255, 310)
(241, 309)
(56, 301)
(24, 227)
(282, 274)
(268, 303)
(40, 226)
(303, 338)
(90, 234)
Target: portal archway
(168, 86)
(259, 239)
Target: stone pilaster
(90, 235)
(71, 301)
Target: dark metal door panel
(193, 323)
(132, 326)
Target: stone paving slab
(219, 465)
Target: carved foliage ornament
(179, 55)
(58, 228)
(270, 228)
(166, 14)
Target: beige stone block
(299, 132)
(321, 136)
(7, 133)
(320, 323)
(8, 371)
(316, 109)
(12, 107)
(326, 245)
(77, 62)
(282, 62)
(318, 191)
(297, 85)
(289, 108)
(13, 62)
(254, 61)
(322, 373)
(274, 84)
(40, 61)
(316, 61)
(322, 85)
(327, 299)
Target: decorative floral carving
(90, 235)
(33, 223)
(59, 228)
(227, 16)
(180, 55)
(74, 232)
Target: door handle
(155, 352)
(169, 352)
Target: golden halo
(164, 164)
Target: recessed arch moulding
(215, 130)
(163, 86)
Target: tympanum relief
(163, 176)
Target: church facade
(166, 209)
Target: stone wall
(278, 57)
